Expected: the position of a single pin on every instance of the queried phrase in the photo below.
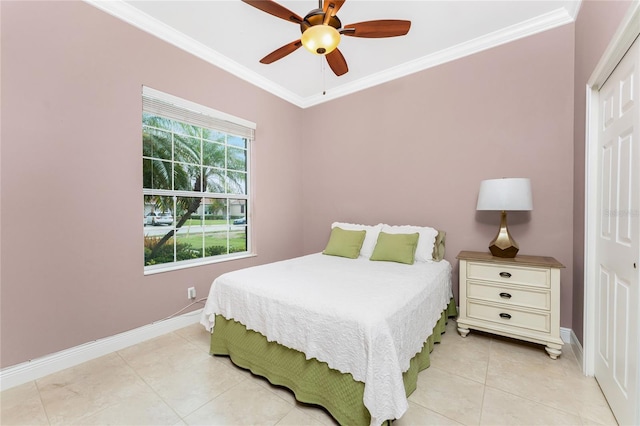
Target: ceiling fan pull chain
(323, 69)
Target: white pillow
(426, 242)
(370, 239)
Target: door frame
(624, 37)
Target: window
(196, 175)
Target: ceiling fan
(321, 30)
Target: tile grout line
(46, 413)
(147, 384)
(484, 387)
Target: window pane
(213, 154)
(187, 129)
(189, 243)
(217, 227)
(215, 180)
(237, 141)
(158, 224)
(187, 150)
(156, 174)
(236, 183)
(236, 159)
(238, 240)
(156, 143)
(152, 120)
(187, 177)
(158, 210)
(238, 211)
(216, 240)
(238, 229)
(187, 208)
(215, 211)
(156, 255)
(214, 136)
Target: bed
(347, 329)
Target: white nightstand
(515, 297)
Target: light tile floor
(172, 380)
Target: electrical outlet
(191, 293)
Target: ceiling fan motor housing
(316, 17)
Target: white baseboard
(577, 349)
(568, 336)
(34, 369)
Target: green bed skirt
(311, 381)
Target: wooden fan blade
(275, 9)
(281, 52)
(337, 62)
(377, 29)
(337, 4)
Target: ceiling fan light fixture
(320, 39)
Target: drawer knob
(505, 316)
(505, 275)
(505, 295)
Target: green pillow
(399, 248)
(345, 243)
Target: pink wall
(72, 266)
(594, 28)
(414, 150)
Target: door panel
(604, 326)
(623, 233)
(621, 368)
(606, 179)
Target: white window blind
(175, 108)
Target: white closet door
(617, 239)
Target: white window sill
(151, 270)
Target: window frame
(162, 104)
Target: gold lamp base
(503, 245)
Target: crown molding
(573, 8)
(133, 16)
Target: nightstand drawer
(538, 321)
(509, 295)
(535, 277)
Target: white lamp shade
(508, 194)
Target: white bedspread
(360, 317)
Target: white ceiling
(235, 36)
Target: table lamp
(507, 194)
